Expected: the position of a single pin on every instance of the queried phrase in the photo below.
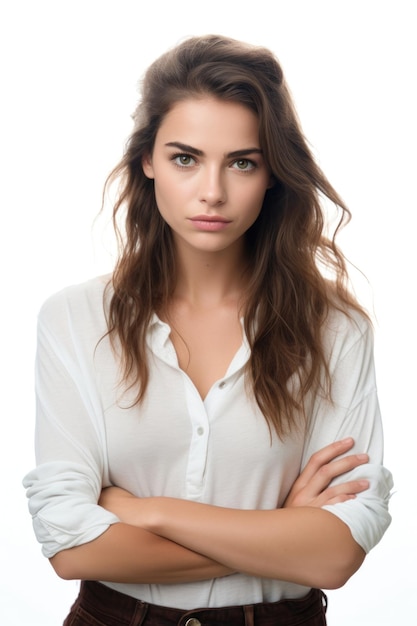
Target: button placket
(199, 440)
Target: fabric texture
(217, 450)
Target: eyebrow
(195, 151)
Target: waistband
(113, 608)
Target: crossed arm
(165, 540)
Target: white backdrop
(68, 82)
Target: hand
(312, 486)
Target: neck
(210, 278)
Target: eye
(244, 165)
(183, 160)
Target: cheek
(169, 200)
(254, 201)
(161, 203)
(163, 190)
(173, 195)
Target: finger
(331, 495)
(330, 452)
(338, 499)
(324, 475)
(322, 457)
(344, 491)
(332, 470)
(341, 497)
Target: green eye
(183, 160)
(244, 164)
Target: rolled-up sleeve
(64, 488)
(367, 516)
(354, 412)
(62, 502)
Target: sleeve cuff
(63, 503)
(367, 515)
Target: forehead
(218, 124)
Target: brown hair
(288, 298)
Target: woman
(208, 435)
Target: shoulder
(345, 330)
(76, 305)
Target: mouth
(210, 223)
(209, 218)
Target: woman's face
(209, 173)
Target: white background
(68, 86)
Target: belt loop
(249, 615)
(324, 601)
(139, 615)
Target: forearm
(128, 554)
(304, 545)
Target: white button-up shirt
(219, 450)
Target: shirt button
(200, 430)
(222, 384)
(193, 621)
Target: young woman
(208, 436)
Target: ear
(147, 166)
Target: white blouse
(218, 451)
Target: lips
(209, 223)
(209, 218)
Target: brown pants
(98, 605)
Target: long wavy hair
(288, 296)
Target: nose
(212, 186)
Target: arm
(125, 553)
(320, 552)
(81, 538)
(129, 554)
(354, 411)
(94, 543)
(306, 545)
